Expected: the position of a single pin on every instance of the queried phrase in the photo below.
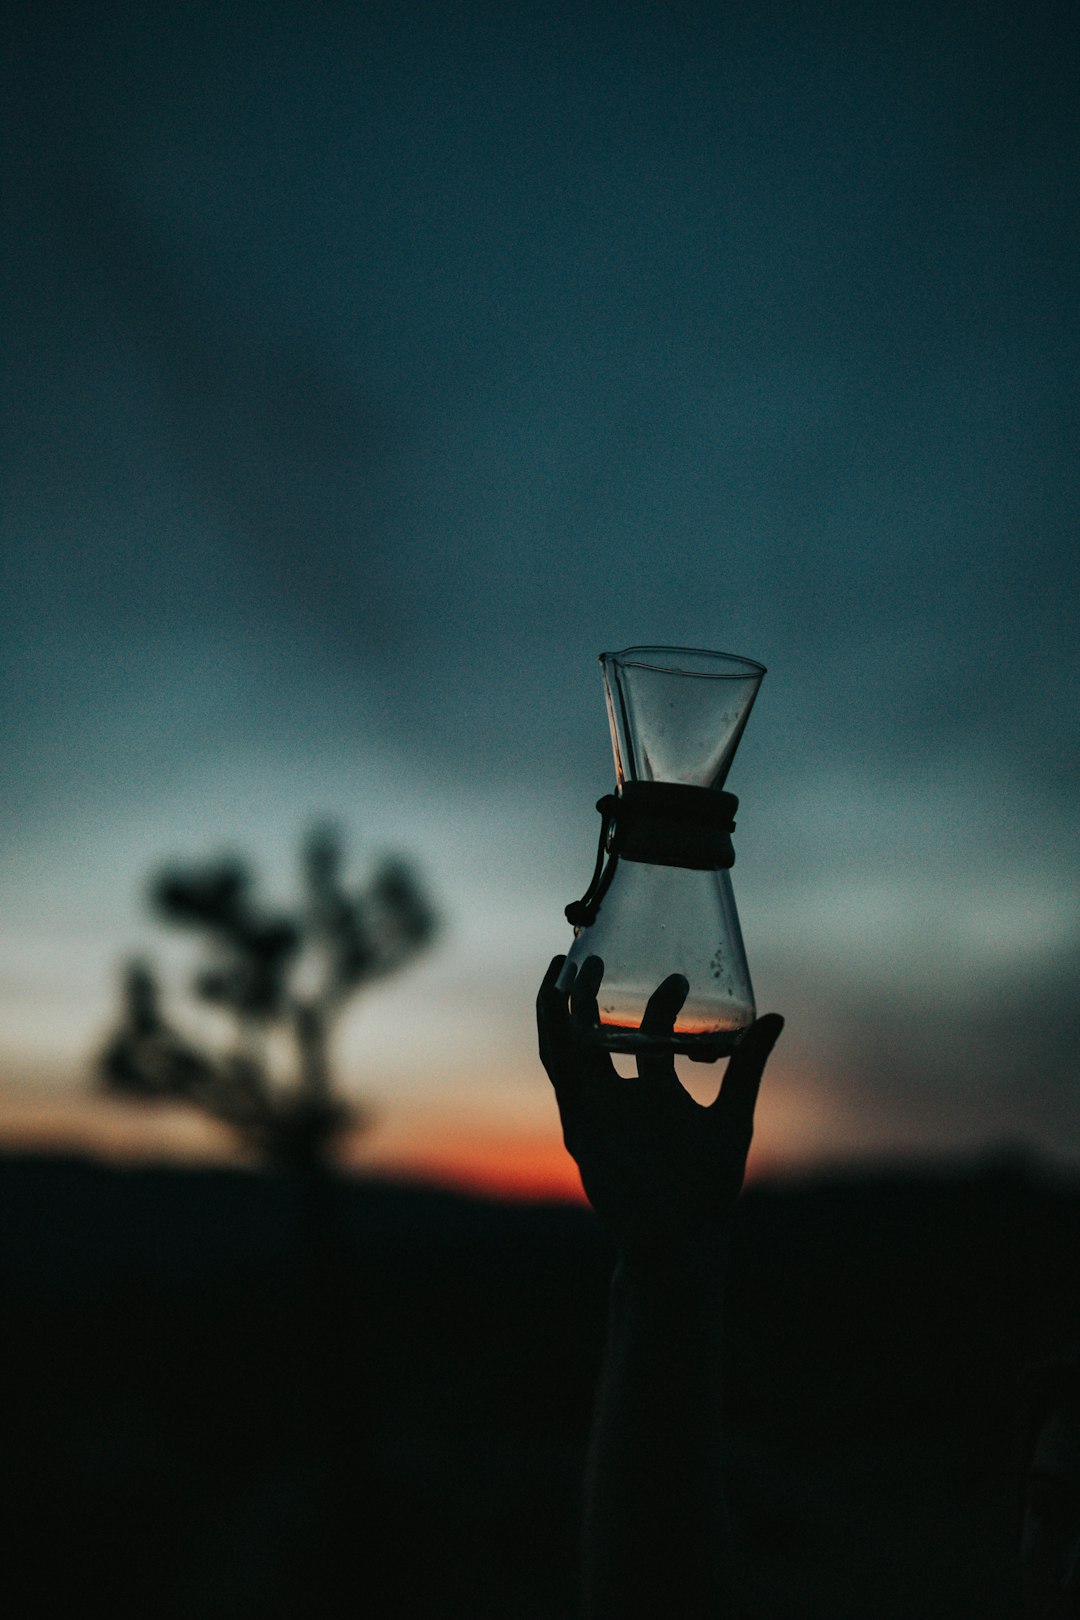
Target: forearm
(656, 1535)
(664, 1174)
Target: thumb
(738, 1093)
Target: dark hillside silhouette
(159, 1330)
(284, 1361)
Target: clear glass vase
(663, 902)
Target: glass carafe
(661, 900)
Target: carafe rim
(660, 659)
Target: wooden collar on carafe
(658, 824)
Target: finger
(558, 1045)
(664, 1004)
(551, 1009)
(738, 1092)
(659, 1019)
(585, 1020)
(584, 1012)
(551, 1003)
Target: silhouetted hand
(659, 1169)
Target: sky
(370, 368)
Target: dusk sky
(371, 368)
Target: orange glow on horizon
(453, 1145)
(500, 1164)
(504, 1166)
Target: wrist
(690, 1264)
(688, 1241)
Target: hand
(659, 1169)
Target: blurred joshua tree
(271, 974)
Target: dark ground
(219, 1403)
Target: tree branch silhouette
(271, 974)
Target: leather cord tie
(661, 824)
